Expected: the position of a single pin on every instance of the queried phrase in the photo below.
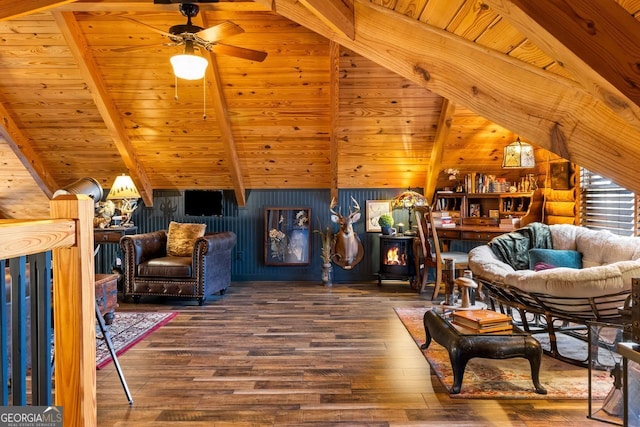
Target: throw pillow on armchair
(182, 236)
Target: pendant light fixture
(188, 65)
(518, 155)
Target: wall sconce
(125, 191)
(188, 65)
(518, 155)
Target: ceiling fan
(193, 36)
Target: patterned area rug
(508, 378)
(128, 329)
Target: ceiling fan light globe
(189, 67)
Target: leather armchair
(148, 270)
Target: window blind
(606, 206)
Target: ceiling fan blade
(220, 31)
(239, 52)
(164, 33)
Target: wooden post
(448, 276)
(74, 315)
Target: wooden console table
(111, 234)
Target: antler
(332, 205)
(357, 207)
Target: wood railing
(69, 237)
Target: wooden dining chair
(428, 253)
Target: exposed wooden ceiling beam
(224, 125)
(596, 40)
(442, 134)
(149, 6)
(338, 14)
(10, 9)
(21, 146)
(334, 78)
(78, 46)
(518, 96)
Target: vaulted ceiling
(352, 94)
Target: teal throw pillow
(555, 257)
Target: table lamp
(408, 200)
(126, 194)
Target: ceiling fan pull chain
(175, 95)
(204, 98)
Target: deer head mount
(347, 249)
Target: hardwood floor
(298, 354)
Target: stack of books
(482, 321)
(442, 219)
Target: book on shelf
(448, 225)
(444, 221)
(482, 320)
(441, 214)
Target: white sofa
(595, 292)
(609, 262)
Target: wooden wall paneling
(48, 94)
(295, 91)
(385, 137)
(20, 196)
(12, 10)
(472, 19)
(500, 36)
(439, 13)
(411, 8)
(111, 117)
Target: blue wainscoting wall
(248, 223)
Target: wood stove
(396, 258)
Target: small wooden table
(111, 236)
(464, 347)
(107, 295)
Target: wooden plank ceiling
(352, 94)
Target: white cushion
(569, 282)
(609, 263)
(484, 263)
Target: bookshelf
(491, 208)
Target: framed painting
(560, 172)
(286, 240)
(375, 208)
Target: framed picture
(375, 208)
(560, 172)
(474, 209)
(287, 236)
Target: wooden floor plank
(297, 354)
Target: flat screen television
(203, 202)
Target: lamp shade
(123, 188)
(518, 155)
(408, 199)
(189, 67)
